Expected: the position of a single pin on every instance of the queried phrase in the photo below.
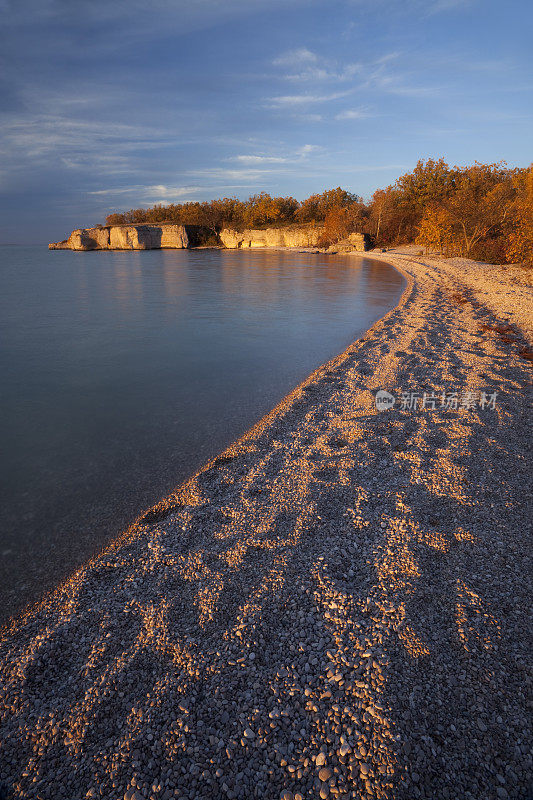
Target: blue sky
(114, 104)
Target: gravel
(336, 607)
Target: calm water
(123, 372)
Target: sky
(108, 105)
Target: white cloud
(249, 175)
(353, 113)
(375, 73)
(296, 58)
(262, 159)
(160, 193)
(308, 66)
(288, 100)
(297, 155)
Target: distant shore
(335, 606)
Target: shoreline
(330, 538)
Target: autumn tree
(430, 182)
(114, 219)
(480, 204)
(262, 209)
(520, 240)
(387, 219)
(341, 221)
(316, 207)
(436, 230)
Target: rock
(290, 236)
(320, 760)
(355, 242)
(325, 774)
(132, 237)
(248, 732)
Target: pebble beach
(337, 606)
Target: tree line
(481, 211)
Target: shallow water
(123, 372)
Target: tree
(436, 230)
(341, 221)
(114, 219)
(520, 242)
(316, 207)
(262, 209)
(387, 216)
(430, 182)
(479, 204)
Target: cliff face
(292, 236)
(152, 237)
(129, 237)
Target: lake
(123, 372)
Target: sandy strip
(337, 606)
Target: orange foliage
(520, 242)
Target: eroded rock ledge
(131, 237)
(151, 237)
(290, 236)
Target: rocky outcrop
(131, 237)
(168, 235)
(291, 236)
(354, 243)
(84, 239)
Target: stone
(325, 774)
(290, 236)
(355, 242)
(130, 237)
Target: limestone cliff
(130, 237)
(291, 236)
(168, 235)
